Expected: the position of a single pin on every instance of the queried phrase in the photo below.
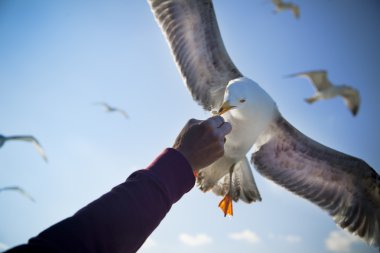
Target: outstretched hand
(202, 142)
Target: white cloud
(149, 243)
(340, 241)
(196, 240)
(245, 235)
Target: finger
(214, 122)
(225, 128)
(192, 122)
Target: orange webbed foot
(226, 205)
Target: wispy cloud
(340, 241)
(196, 240)
(245, 235)
(149, 243)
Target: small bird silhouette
(281, 6)
(325, 90)
(19, 190)
(109, 108)
(28, 138)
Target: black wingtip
(355, 110)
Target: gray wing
(33, 140)
(19, 190)
(345, 186)
(124, 113)
(192, 32)
(106, 106)
(295, 10)
(318, 78)
(351, 98)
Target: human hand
(202, 142)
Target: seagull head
(244, 98)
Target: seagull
(113, 109)
(325, 90)
(345, 186)
(281, 6)
(19, 190)
(28, 138)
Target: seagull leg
(226, 203)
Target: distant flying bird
(282, 6)
(325, 90)
(109, 108)
(19, 190)
(345, 186)
(27, 138)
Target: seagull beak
(225, 107)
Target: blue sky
(57, 58)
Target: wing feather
(345, 186)
(351, 98)
(33, 140)
(318, 78)
(193, 35)
(19, 190)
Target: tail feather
(243, 184)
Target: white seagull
(345, 186)
(109, 108)
(325, 90)
(19, 190)
(282, 6)
(27, 138)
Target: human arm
(121, 220)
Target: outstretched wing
(318, 78)
(19, 190)
(105, 105)
(345, 186)
(295, 10)
(351, 98)
(33, 140)
(124, 113)
(192, 32)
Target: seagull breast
(252, 111)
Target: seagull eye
(242, 100)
